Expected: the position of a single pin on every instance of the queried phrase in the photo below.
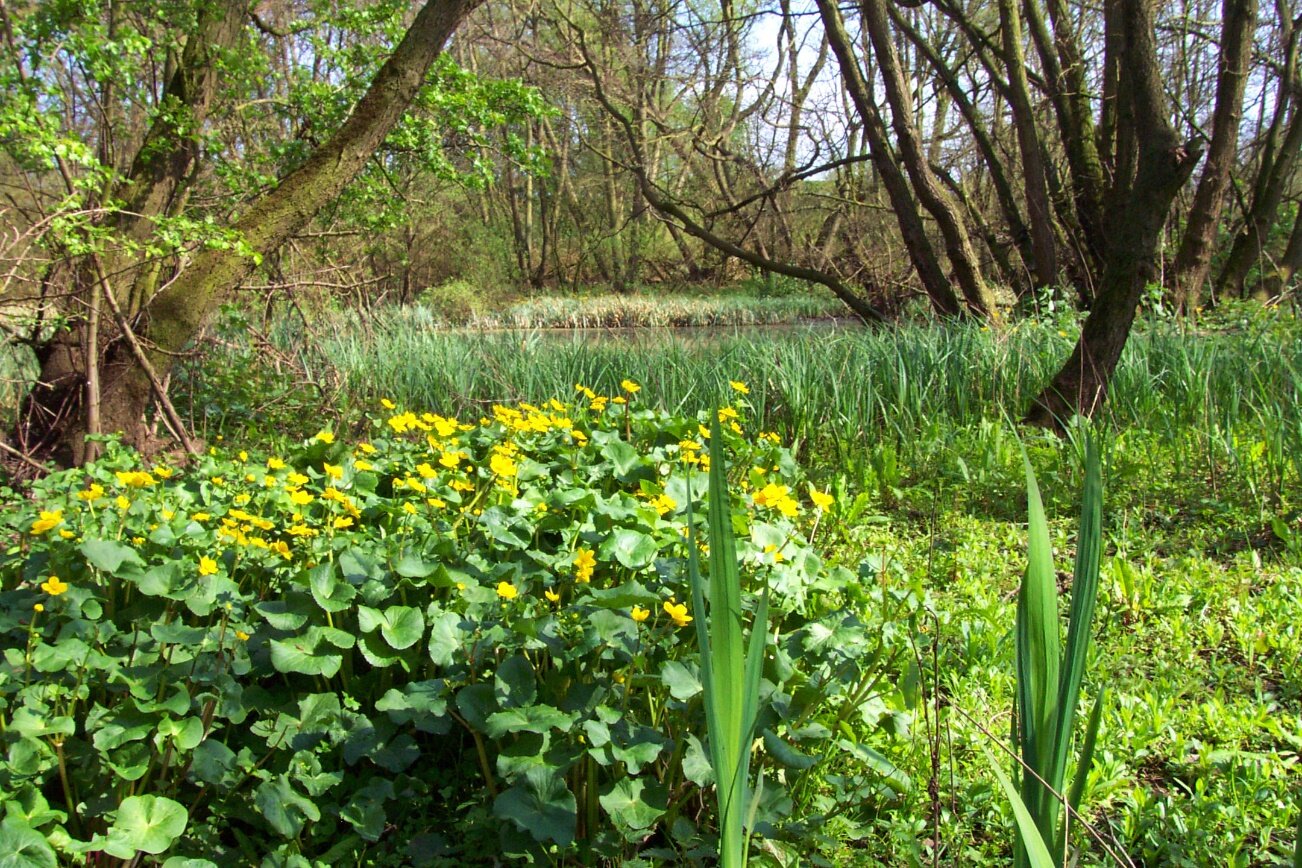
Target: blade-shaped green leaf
(1036, 851)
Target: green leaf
(413, 566)
(109, 556)
(403, 626)
(284, 808)
(786, 755)
(632, 549)
(534, 718)
(1036, 851)
(514, 684)
(446, 638)
(683, 683)
(160, 581)
(330, 592)
(635, 804)
(299, 654)
(21, 846)
(540, 804)
(148, 824)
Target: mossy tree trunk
(166, 317)
(1162, 164)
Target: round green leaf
(21, 846)
(148, 824)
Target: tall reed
(1048, 676)
(730, 670)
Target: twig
(138, 351)
(21, 456)
(1123, 859)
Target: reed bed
(630, 311)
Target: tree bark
(1250, 243)
(921, 253)
(929, 191)
(172, 316)
(1043, 243)
(1278, 279)
(1162, 166)
(1193, 260)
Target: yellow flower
(334, 471)
(296, 479)
(134, 478)
(366, 448)
(436, 502)
(217, 480)
(409, 508)
(507, 591)
(326, 437)
(664, 504)
(387, 404)
(244, 456)
(629, 386)
(38, 608)
(585, 561)
(122, 502)
(619, 399)
(639, 614)
(48, 519)
(96, 490)
(281, 547)
(503, 466)
(342, 522)
(821, 499)
(64, 533)
(739, 387)
(678, 611)
(207, 566)
(552, 596)
(241, 635)
(363, 464)
(275, 464)
(163, 472)
(300, 498)
(54, 586)
(450, 459)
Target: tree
(127, 319)
(1159, 164)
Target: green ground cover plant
(476, 631)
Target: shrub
(473, 632)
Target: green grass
(1197, 631)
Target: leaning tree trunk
(173, 315)
(921, 253)
(1043, 243)
(1193, 261)
(931, 194)
(1162, 166)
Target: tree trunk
(1249, 245)
(930, 193)
(978, 126)
(1193, 260)
(1278, 279)
(175, 314)
(937, 287)
(1162, 166)
(1043, 243)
